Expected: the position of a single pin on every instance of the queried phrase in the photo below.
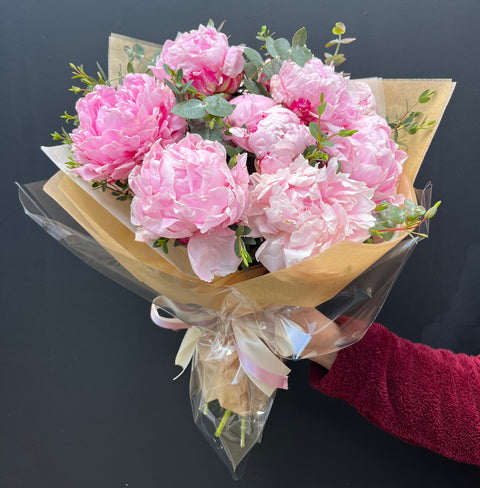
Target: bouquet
(253, 196)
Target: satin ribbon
(260, 364)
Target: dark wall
(87, 398)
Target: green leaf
(282, 46)
(321, 108)
(102, 73)
(239, 230)
(270, 45)
(217, 106)
(236, 248)
(339, 29)
(336, 60)
(301, 55)
(139, 51)
(300, 37)
(249, 241)
(130, 68)
(314, 130)
(253, 56)
(171, 86)
(191, 109)
(252, 86)
(249, 69)
(231, 151)
(346, 133)
(426, 96)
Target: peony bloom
(371, 156)
(300, 88)
(302, 210)
(275, 135)
(206, 58)
(118, 126)
(186, 190)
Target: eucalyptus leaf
(301, 55)
(282, 46)
(191, 109)
(270, 45)
(252, 86)
(299, 38)
(249, 69)
(253, 56)
(217, 106)
(139, 51)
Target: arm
(427, 397)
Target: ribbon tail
(187, 349)
(165, 322)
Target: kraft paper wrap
(306, 284)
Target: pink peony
(118, 126)
(371, 156)
(300, 88)
(206, 58)
(186, 190)
(275, 135)
(249, 110)
(302, 210)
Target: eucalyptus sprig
(337, 58)
(89, 81)
(391, 218)
(244, 245)
(410, 122)
(315, 153)
(278, 50)
(136, 53)
(118, 188)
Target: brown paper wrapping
(306, 284)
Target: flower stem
(243, 428)
(223, 422)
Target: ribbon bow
(260, 364)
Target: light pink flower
(275, 135)
(186, 190)
(118, 126)
(302, 210)
(206, 58)
(371, 156)
(249, 110)
(300, 88)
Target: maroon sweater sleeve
(427, 397)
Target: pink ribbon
(262, 374)
(165, 322)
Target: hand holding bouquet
(237, 192)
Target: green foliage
(316, 154)
(162, 242)
(119, 189)
(411, 121)
(78, 73)
(391, 218)
(244, 246)
(337, 58)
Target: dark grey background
(87, 398)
